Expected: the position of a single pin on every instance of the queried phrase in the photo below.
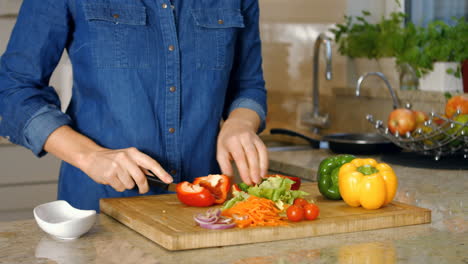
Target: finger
(117, 184)
(114, 181)
(252, 159)
(136, 175)
(125, 178)
(148, 163)
(262, 156)
(224, 162)
(238, 155)
(111, 178)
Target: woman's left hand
(238, 141)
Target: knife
(154, 181)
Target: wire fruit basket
(438, 136)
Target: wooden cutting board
(166, 221)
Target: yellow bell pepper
(366, 183)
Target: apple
(463, 119)
(456, 102)
(401, 120)
(440, 121)
(421, 117)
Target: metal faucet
(361, 79)
(317, 120)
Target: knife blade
(154, 181)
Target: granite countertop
(441, 188)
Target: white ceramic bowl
(63, 221)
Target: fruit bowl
(439, 136)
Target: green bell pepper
(327, 175)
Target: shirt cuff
(41, 125)
(252, 105)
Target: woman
(152, 81)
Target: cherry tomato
(311, 211)
(300, 202)
(295, 213)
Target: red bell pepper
(194, 194)
(217, 184)
(235, 187)
(297, 180)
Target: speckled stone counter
(445, 240)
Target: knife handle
(156, 182)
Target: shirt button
(171, 130)
(220, 21)
(172, 89)
(164, 5)
(115, 16)
(171, 47)
(172, 6)
(173, 172)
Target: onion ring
(212, 219)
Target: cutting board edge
(164, 237)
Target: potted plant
(371, 44)
(436, 53)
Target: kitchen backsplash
(289, 30)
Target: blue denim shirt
(147, 74)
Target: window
(421, 12)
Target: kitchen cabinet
(25, 181)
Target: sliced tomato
(218, 184)
(297, 180)
(194, 194)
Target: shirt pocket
(216, 32)
(119, 34)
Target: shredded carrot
(255, 211)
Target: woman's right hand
(122, 168)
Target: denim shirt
(150, 74)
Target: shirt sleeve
(29, 107)
(247, 86)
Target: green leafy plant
(358, 38)
(419, 47)
(438, 42)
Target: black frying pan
(352, 143)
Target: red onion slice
(213, 212)
(202, 219)
(212, 219)
(224, 220)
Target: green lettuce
(239, 196)
(277, 189)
